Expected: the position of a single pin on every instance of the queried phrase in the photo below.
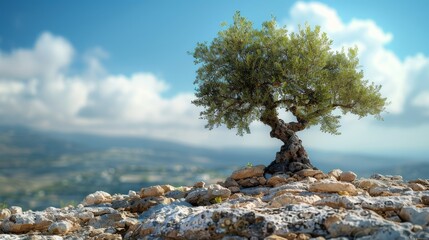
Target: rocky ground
(307, 205)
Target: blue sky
(122, 68)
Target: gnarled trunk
(292, 156)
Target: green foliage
(247, 74)
(249, 164)
(3, 205)
(217, 199)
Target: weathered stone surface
(285, 208)
(308, 173)
(336, 173)
(229, 182)
(153, 191)
(167, 188)
(332, 187)
(28, 221)
(248, 172)
(386, 203)
(287, 199)
(61, 227)
(248, 182)
(138, 205)
(97, 198)
(107, 220)
(348, 176)
(4, 213)
(15, 209)
(425, 199)
(417, 186)
(213, 193)
(200, 184)
(176, 194)
(216, 190)
(415, 215)
(369, 183)
(278, 180)
(388, 191)
(255, 191)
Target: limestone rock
(199, 184)
(153, 191)
(248, 172)
(287, 199)
(28, 221)
(281, 208)
(415, 215)
(229, 182)
(278, 180)
(107, 220)
(176, 194)
(332, 187)
(213, 193)
(97, 198)
(417, 186)
(369, 183)
(308, 173)
(347, 176)
(216, 190)
(336, 173)
(4, 214)
(61, 227)
(387, 191)
(15, 210)
(425, 200)
(249, 182)
(197, 197)
(167, 188)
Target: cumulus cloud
(49, 55)
(35, 90)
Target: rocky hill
(308, 205)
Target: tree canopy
(247, 74)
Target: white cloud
(422, 100)
(49, 55)
(36, 90)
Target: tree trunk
(292, 156)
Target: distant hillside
(39, 169)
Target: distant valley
(40, 169)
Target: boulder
(5, 213)
(308, 173)
(416, 186)
(97, 198)
(153, 191)
(248, 172)
(28, 221)
(332, 187)
(60, 227)
(347, 176)
(336, 173)
(415, 215)
(278, 180)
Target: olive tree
(247, 74)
